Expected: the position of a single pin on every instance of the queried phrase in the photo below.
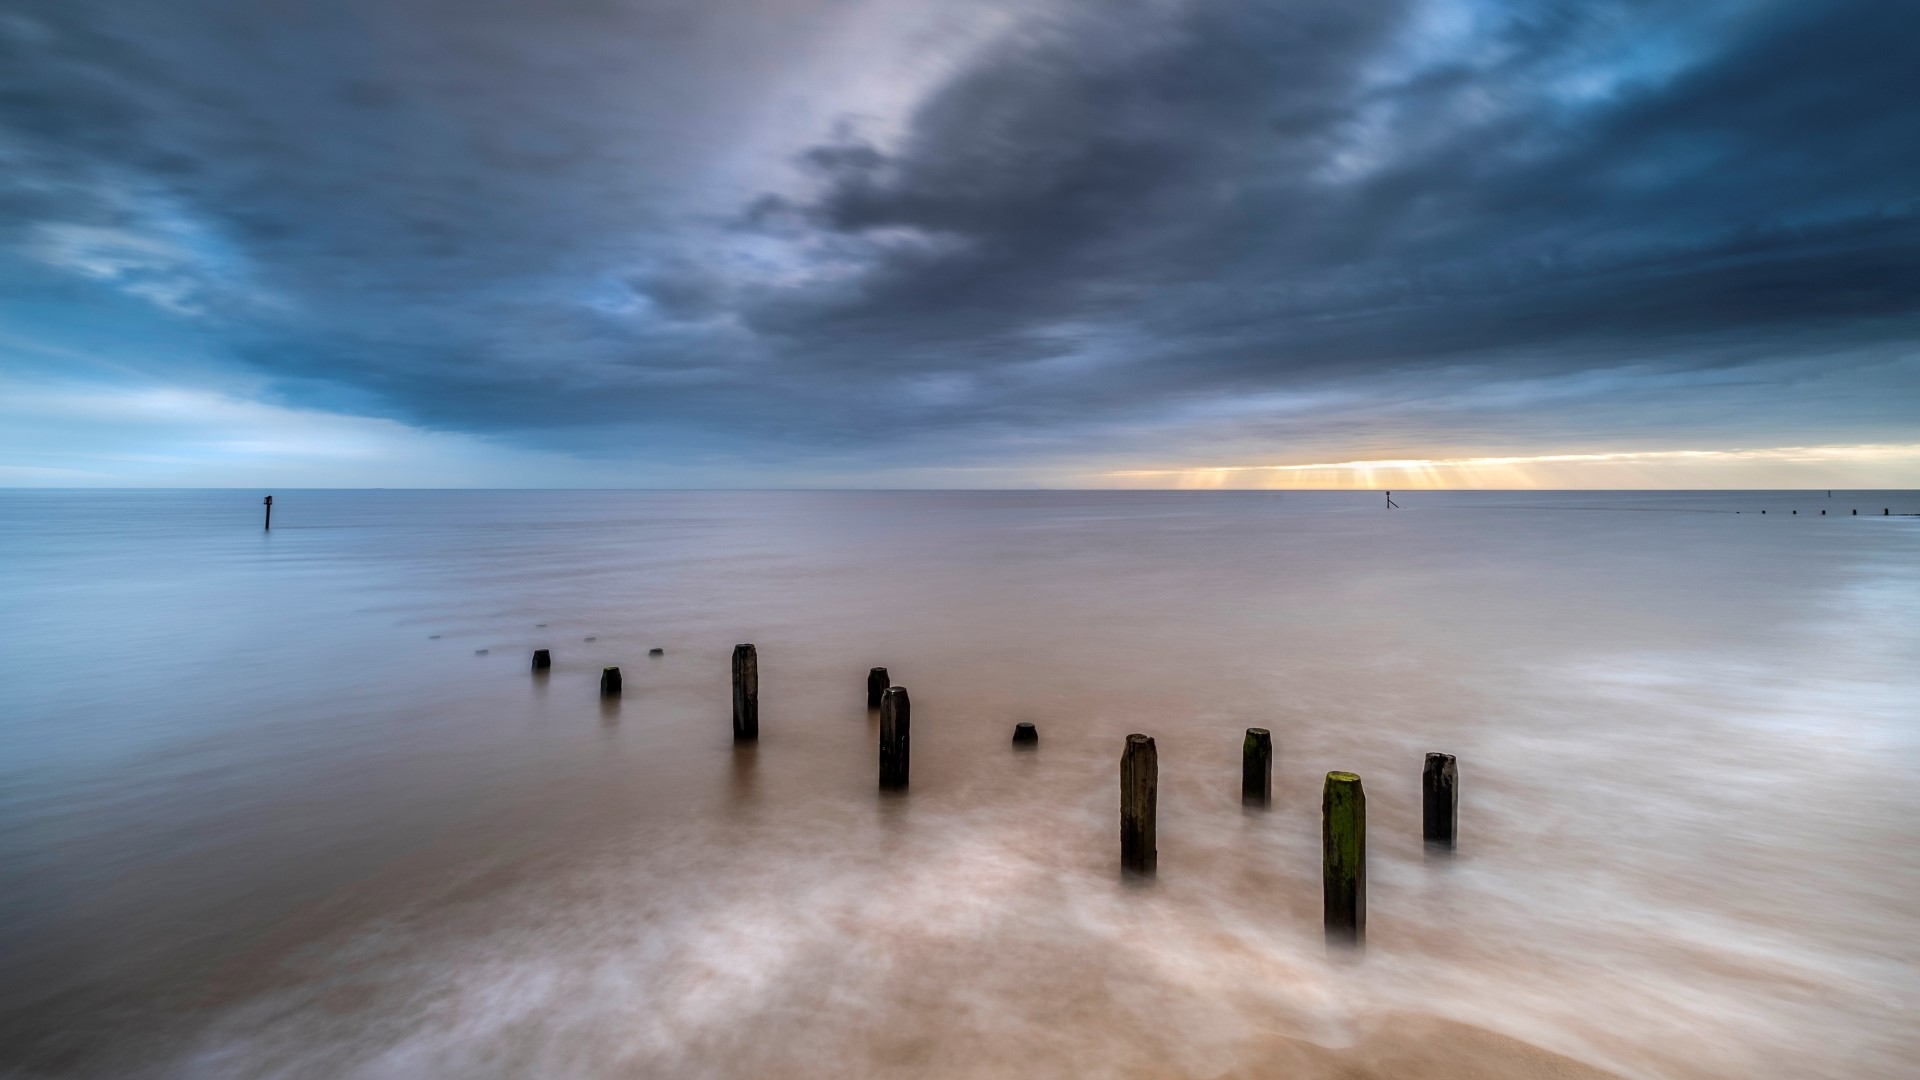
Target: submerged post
(896, 727)
(1025, 734)
(1256, 767)
(542, 660)
(1343, 845)
(877, 683)
(746, 694)
(1139, 786)
(610, 682)
(269, 502)
(1440, 802)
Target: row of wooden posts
(1343, 802)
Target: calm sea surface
(290, 804)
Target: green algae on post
(1343, 841)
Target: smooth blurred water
(266, 810)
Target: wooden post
(1256, 767)
(746, 694)
(877, 683)
(269, 523)
(896, 728)
(542, 660)
(1343, 847)
(610, 682)
(1440, 802)
(1139, 789)
(1025, 734)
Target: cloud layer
(779, 241)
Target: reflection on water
(266, 809)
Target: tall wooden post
(269, 502)
(877, 683)
(746, 694)
(1440, 802)
(1256, 767)
(1139, 790)
(1343, 847)
(896, 727)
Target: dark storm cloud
(737, 228)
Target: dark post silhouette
(610, 682)
(542, 659)
(1440, 802)
(269, 502)
(1139, 788)
(1343, 846)
(877, 683)
(1025, 734)
(746, 694)
(1256, 767)
(896, 730)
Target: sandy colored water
(268, 812)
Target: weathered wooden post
(746, 694)
(1025, 734)
(877, 683)
(269, 523)
(1256, 767)
(1440, 802)
(896, 729)
(1139, 790)
(656, 652)
(1343, 847)
(610, 682)
(542, 660)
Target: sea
(291, 803)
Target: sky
(942, 243)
